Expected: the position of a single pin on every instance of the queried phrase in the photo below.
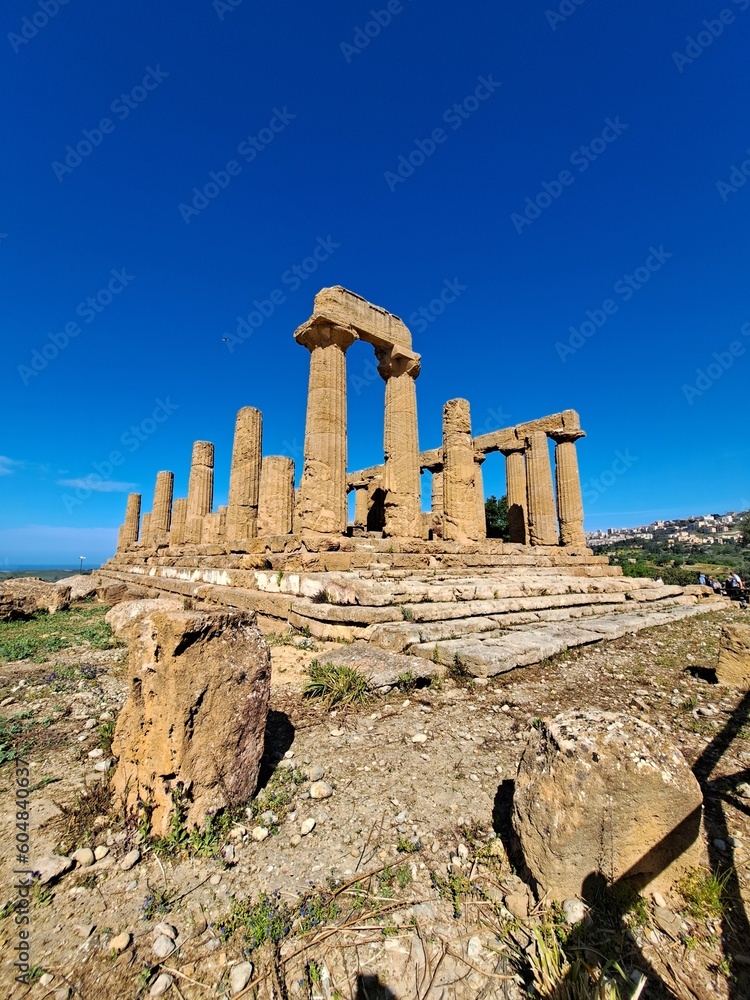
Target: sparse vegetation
(336, 684)
(704, 892)
(77, 820)
(42, 635)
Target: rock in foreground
(199, 685)
(27, 596)
(734, 656)
(602, 793)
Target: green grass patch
(704, 892)
(336, 684)
(43, 635)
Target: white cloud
(8, 465)
(96, 484)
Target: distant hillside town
(705, 529)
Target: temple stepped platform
(488, 611)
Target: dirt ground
(399, 890)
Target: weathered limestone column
(161, 512)
(146, 528)
(569, 500)
(401, 475)
(177, 529)
(437, 493)
(360, 506)
(322, 493)
(222, 512)
(459, 489)
(479, 488)
(515, 486)
(129, 530)
(276, 504)
(200, 490)
(244, 479)
(539, 493)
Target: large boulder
(733, 667)
(27, 596)
(82, 588)
(605, 794)
(125, 618)
(194, 722)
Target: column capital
(513, 448)
(324, 335)
(561, 437)
(394, 361)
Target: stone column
(200, 490)
(177, 529)
(459, 489)
(322, 493)
(401, 476)
(146, 528)
(276, 504)
(129, 531)
(539, 493)
(161, 512)
(360, 506)
(569, 500)
(515, 488)
(479, 488)
(244, 479)
(437, 493)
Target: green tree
(745, 528)
(496, 517)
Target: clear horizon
(555, 203)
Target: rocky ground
(377, 860)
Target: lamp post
(80, 565)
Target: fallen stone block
(605, 794)
(733, 667)
(28, 596)
(193, 726)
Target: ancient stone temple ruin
(427, 583)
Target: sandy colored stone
(82, 587)
(179, 518)
(515, 479)
(125, 618)
(161, 511)
(321, 505)
(200, 490)
(542, 516)
(568, 480)
(129, 531)
(603, 793)
(244, 479)
(276, 502)
(401, 473)
(26, 596)
(459, 469)
(481, 522)
(196, 712)
(733, 667)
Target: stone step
(489, 656)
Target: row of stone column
(322, 504)
(260, 501)
(535, 506)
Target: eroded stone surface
(195, 717)
(734, 656)
(24, 597)
(603, 793)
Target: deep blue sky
(219, 74)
